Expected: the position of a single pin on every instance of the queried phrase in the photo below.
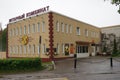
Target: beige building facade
(51, 35)
(108, 35)
(2, 55)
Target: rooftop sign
(29, 14)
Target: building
(49, 35)
(108, 35)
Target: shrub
(20, 64)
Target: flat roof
(55, 13)
(110, 26)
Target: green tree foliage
(104, 49)
(117, 3)
(3, 42)
(115, 47)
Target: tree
(115, 47)
(3, 40)
(117, 3)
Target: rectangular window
(70, 29)
(62, 27)
(13, 49)
(44, 49)
(16, 49)
(38, 27)
(81, 49)
(10, 32)
(78, 31)
(57, 26)
(28, 28)
(58, 48)
(86, 32)
(43, 26)
(16, 31)
(24, 49)
(28, 49)
(10, 49)
(39, 49)
(20, 49)
(24, 29)
(20, 30)
(33, 28)
(67, 28)
(33, 49)
(63, 50)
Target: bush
(20, 64)
(116, 54)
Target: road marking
(55, 79)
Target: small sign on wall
(66, 49)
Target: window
(57, 26)
(10, 32)
(38, 27)
(81, 49)
(70, 29)
(10, 49)
(20, 30)
(29, 48)
(97, 35)
(28, 28)
(44, 49)
(58, 48)
(62, 27)
(33, 49)
(39, 49)
(24, 29)
(13, 32)
(78, 31)
(66, 28)
(16, 49)
(43, 26)
(25, 49)
(20, 49)
(86, 32)
(33, 28)
(63, 48)
(16, 31)
(93, 34)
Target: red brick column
(51, 36)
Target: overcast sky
(94, 12)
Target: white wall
(82, 55)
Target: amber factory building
(51, 35)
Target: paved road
(95, 68)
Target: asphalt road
(94, 68)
